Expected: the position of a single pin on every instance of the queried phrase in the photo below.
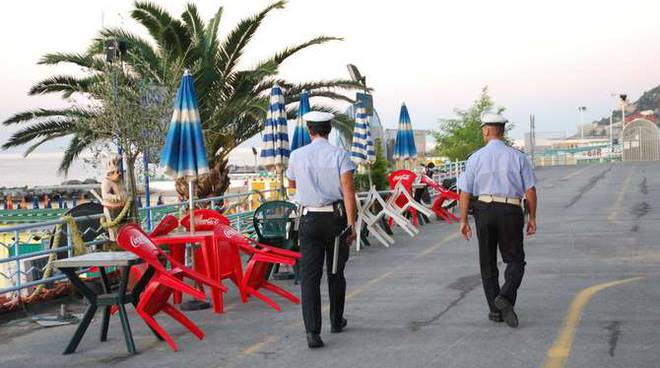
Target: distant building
(641, 140)
(390, 140)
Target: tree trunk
(213, 184)
(132, 186)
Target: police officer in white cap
(323, 177)
(499, 176)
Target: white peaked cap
(489, 117)
(318, 117)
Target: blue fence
(24, 249)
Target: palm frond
(88, 61)
(279, 57)
(40, 130)
(194, 25)
(36, 145)
(25, 116)
(77, 145)
(168, 32)
(66, 84)
(233, 46)
(139, 49)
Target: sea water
(42, 169)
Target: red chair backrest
(131, 238)
(407, 178)
(166, 225)
(205, 219)
(231, 234)
(444, 192)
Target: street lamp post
(581, 109)
(622, 100)
(254, 152)
(611, 136)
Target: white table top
(103, 259)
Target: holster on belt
(339, 209)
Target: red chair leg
(281, 292)
(413, 214)
(182, 287)
(265, 299)
(185, 321)
(217, 300)
(178, 252)
(156, 327)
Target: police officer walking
(323, 177)
(498, 176)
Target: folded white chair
(391, 212)
(399, 190)
(370, 222)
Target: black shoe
(495, 316)
(314, 340)
(338, 329)
(508, 314)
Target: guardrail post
(69, 240)
(150, 218)
(17, 241)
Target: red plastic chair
(443, 195)
(407, 178)
(261, 258)
(166, 225)
(155, 297)
(227, 258)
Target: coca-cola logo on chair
(206, 221)
(401, 177)
(138, 240)
(230, 232)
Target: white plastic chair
(399, 190)
(369, 220)
(390, 212)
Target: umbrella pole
(190, 206)
(371, 184)
(283, 194)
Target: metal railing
(24, 249)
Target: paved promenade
(590, 298)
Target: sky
(545, 58)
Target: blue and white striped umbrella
(184, 154)
(300, 133)
(362, 148)
(404, 148)
(275, 145)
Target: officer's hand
(466, 231)
(352, 236)
(531, 226)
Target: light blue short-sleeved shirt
(316, 169)
(497, 169)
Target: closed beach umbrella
(359, 147)
(300, 133)
(404, 147)
(275, 146)
(362, 147)
(184, 154)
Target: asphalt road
(420, 302)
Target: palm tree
(232, 101)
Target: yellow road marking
(614, 212)
(256, 347)
(561, 349)
(573, 174)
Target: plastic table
(124, 261)
(177, 242)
